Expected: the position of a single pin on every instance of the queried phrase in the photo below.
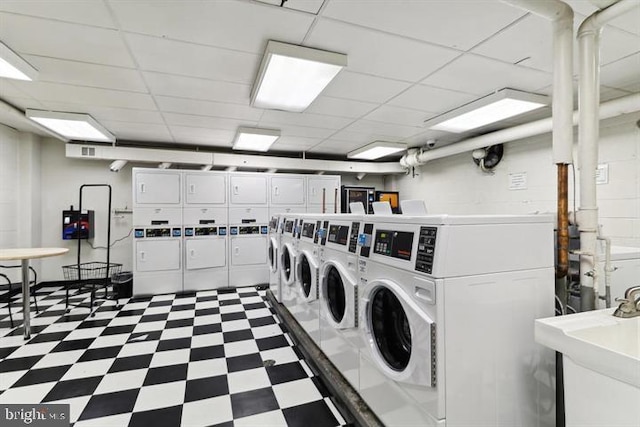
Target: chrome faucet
(630, 304)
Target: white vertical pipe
(588, 134)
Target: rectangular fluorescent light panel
(12, 66)
(493, 108)
(376, 150)
(291, 76)
(72, 125)
(254, 139)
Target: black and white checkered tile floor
(214, 358)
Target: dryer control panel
(426, 249)
(353, 238)
(396, 244)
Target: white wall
(455, 185)
(19, 193)
(61, 181)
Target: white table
(24, 255)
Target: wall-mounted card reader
(74, 222)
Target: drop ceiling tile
(208, 108)
(300, 131)
(109, 113)
(9, 89)
(431, 21)
(202, 136)
(395, 132)
(607, 93)
(174, 119)
(138, 131)
(481, 76)
(431, 99)
(441, 138)
(304, 119)
(174, 57)
(310, 6)
(357, 138)
(362, 87)
(83, 74)
(397, 115)
(243, 26)
(623, 74)
(628, 22)
(340, 107)
(27, 35)
(86, 12)
(291, 143)
(188, 87)
(333, 146)
(87, 96)
(380, 54)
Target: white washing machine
(307, 283)
(157, 263)
(447, 307)
(339, 338)
(248, 246)
(205, 249)
(273, 252)
(287, 259)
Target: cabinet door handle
(277, 191)
(142, 254)
(236, 190)
(142, 187)
(193, 253)
(192, 189)
(237, 251)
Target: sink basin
(601, 366)
(596, 340)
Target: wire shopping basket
(91, 270)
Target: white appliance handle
(142, 187)
(276, 191)
(236, 189)
(142, 255)
(193, 253)
(192, 189)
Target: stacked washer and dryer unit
(447, 306)
(180, 231)
(198, 230)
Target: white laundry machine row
(338, 293)
(306, 287)
(447, 307)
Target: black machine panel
(353, 239)
(158, 232)
(323, 232)
(206, 231)
(338, 234)
(365, 249)
(426, 249)
(288, 226)
(252, 229)
(307, 229)
(315, 236)
(396, 244)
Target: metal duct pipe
(616, 107)
(588, 135)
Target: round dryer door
(336, 299)
(287, 261)
(272, 255)
(390, 328)
(305, 276)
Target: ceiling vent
(88, 151)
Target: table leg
(25, 299)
